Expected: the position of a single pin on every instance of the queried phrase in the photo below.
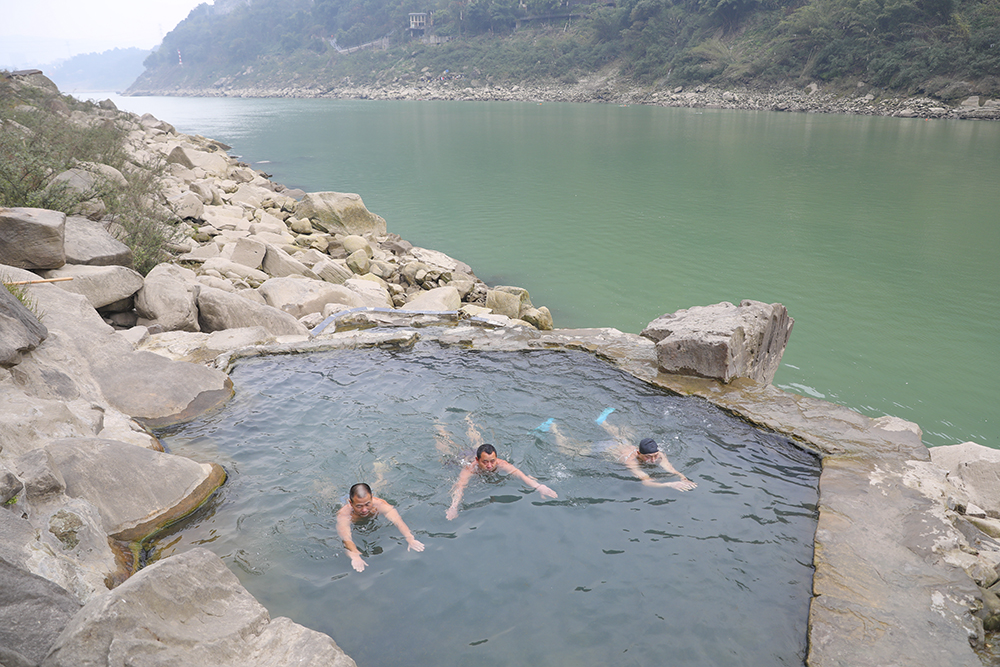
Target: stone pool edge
(888, 587)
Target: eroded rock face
(20, 330)
(188, 609)
(88, 242)
(33, 611)
(976, 470)
(32, 238)
(722, 341)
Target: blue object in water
(544, 426)
(604, 415)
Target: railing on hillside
(381, 43)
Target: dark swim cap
(648, 446)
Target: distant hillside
(944, 48)
(113, 70)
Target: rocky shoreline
(863, 100)
(906, 549)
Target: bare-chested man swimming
(486, 462)
(363, 506)
(646, 454)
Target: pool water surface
(610, 572)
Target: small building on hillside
(418, 23)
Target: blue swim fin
(544, 426)
(604, 415)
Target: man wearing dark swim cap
(648, 453)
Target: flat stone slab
(883, 594)
(88, 242)
(135, 490)
(188, 609)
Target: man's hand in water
(357, 563)
(412, 543)
(683, 485)
(451, 513)
(546, 492)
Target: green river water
(880, 235)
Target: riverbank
(863, 100)
(896, 580)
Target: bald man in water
(363, 507)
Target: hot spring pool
(611, 572)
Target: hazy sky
(39, 32)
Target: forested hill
(942, 48)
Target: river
(880, 235)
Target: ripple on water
(610, 572)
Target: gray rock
(302, 296)
(358, 261)
(249, 252)
(187, 206)
(20, 330)
(225, 267)
(168, 299)
(40, 475)
(10, 485)
(32, 238)
(352, 243)
(722, 341)
(27, 422)
(102, 285)
(187, 609)
(878, 566)
(279, 264)
(372, 291)
(218, 310)
(540, 318)
(504, 303)
(135, 490)
(339, 213)
(89, 242)
(33, 611)
(974, 468)
(439, 299)
(332, 271)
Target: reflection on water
(610, 572)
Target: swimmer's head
(361, 499)
(486, 457)
(648, 446)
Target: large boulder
(439, 299)
(722, 341)
(372, 292)
(32, 238)
(20, 330)
(88, 242)
(218, 310)
(168, 298)
(33, 612)
(187, 609)
(339, 213)
(974, 469)
(215, 164)
(102, 285)
(136, 490)
(301, 296)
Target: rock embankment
(863, 100)
(907, 549)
